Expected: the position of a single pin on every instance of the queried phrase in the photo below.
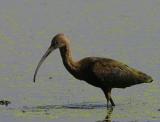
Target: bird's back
(104, 72)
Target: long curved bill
(50, 49)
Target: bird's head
(58, 41)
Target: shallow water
(124, 30)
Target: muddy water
(124, 30)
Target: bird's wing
(114, 73)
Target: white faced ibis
(100, 72)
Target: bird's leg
(107, 93)
(112, 102)
(107, 101)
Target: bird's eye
(56, 43)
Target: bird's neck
(67, 59)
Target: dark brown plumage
(100, 72)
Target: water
(124, 30)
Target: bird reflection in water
(108, 117)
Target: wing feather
(113, 73)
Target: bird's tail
(143, 78)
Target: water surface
(124, 30)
